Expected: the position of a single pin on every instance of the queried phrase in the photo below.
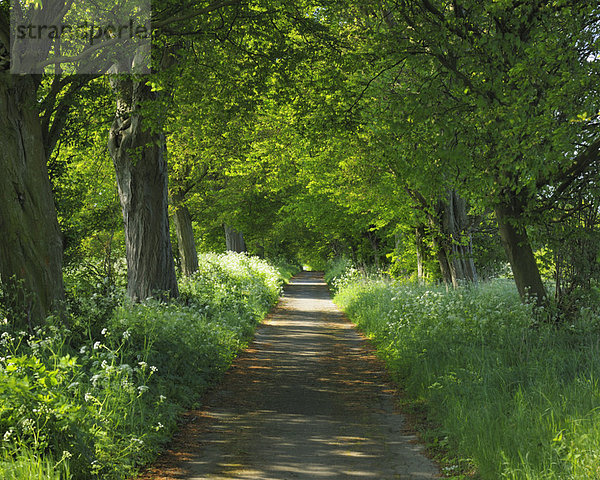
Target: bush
(339, 272)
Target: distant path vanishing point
(308, 400)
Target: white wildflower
(125, 367)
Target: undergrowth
(97, 399)
(514, 398)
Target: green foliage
(286, 267)
(339, 270)
(13, 302)
(403, 263)
(101, 405)
(83, 180)
(320, 131)
(516, 398)
(93, 291)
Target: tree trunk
(375, 247)
(31, 246)
(442, 257)
(139, 155)
(520, 255)
(234, 240)
(462, 244)
(186, 241)
(420, 246)
(451, 234)
(453, 240)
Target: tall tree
(31, 249)
(137, 143)
(35, 106)
(31, 121)
(139, 156)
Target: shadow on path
(307, 400)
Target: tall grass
(516, 398)
(27, 464)
(104, 403)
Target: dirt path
(307, 400)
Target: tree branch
(580, 164)
(189, 16)
(60, 115)
(362, 94)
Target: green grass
(515, 398)
(27, 465)
(104, 396)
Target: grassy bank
(515, 399)
(97, 399)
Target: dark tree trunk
(442, 257)
(139, 156)
(31, 246)
(185, 240)
(462, 245)
(234, 240)
(375, 247)
(420, 247)
(518, 250)
(453, 240)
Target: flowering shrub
(100, 407)
(341, 272)
(234, 282)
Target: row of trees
(489, 108)
(37, 110)
(442, 128)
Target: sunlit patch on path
(307, 400)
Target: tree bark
(31, 247)
(375, 247)
(519, 252)
(138, 152)
(453, 240)
(420, 246)
(462, 244)
(186, 241)
(442, 257)
(234, 240)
